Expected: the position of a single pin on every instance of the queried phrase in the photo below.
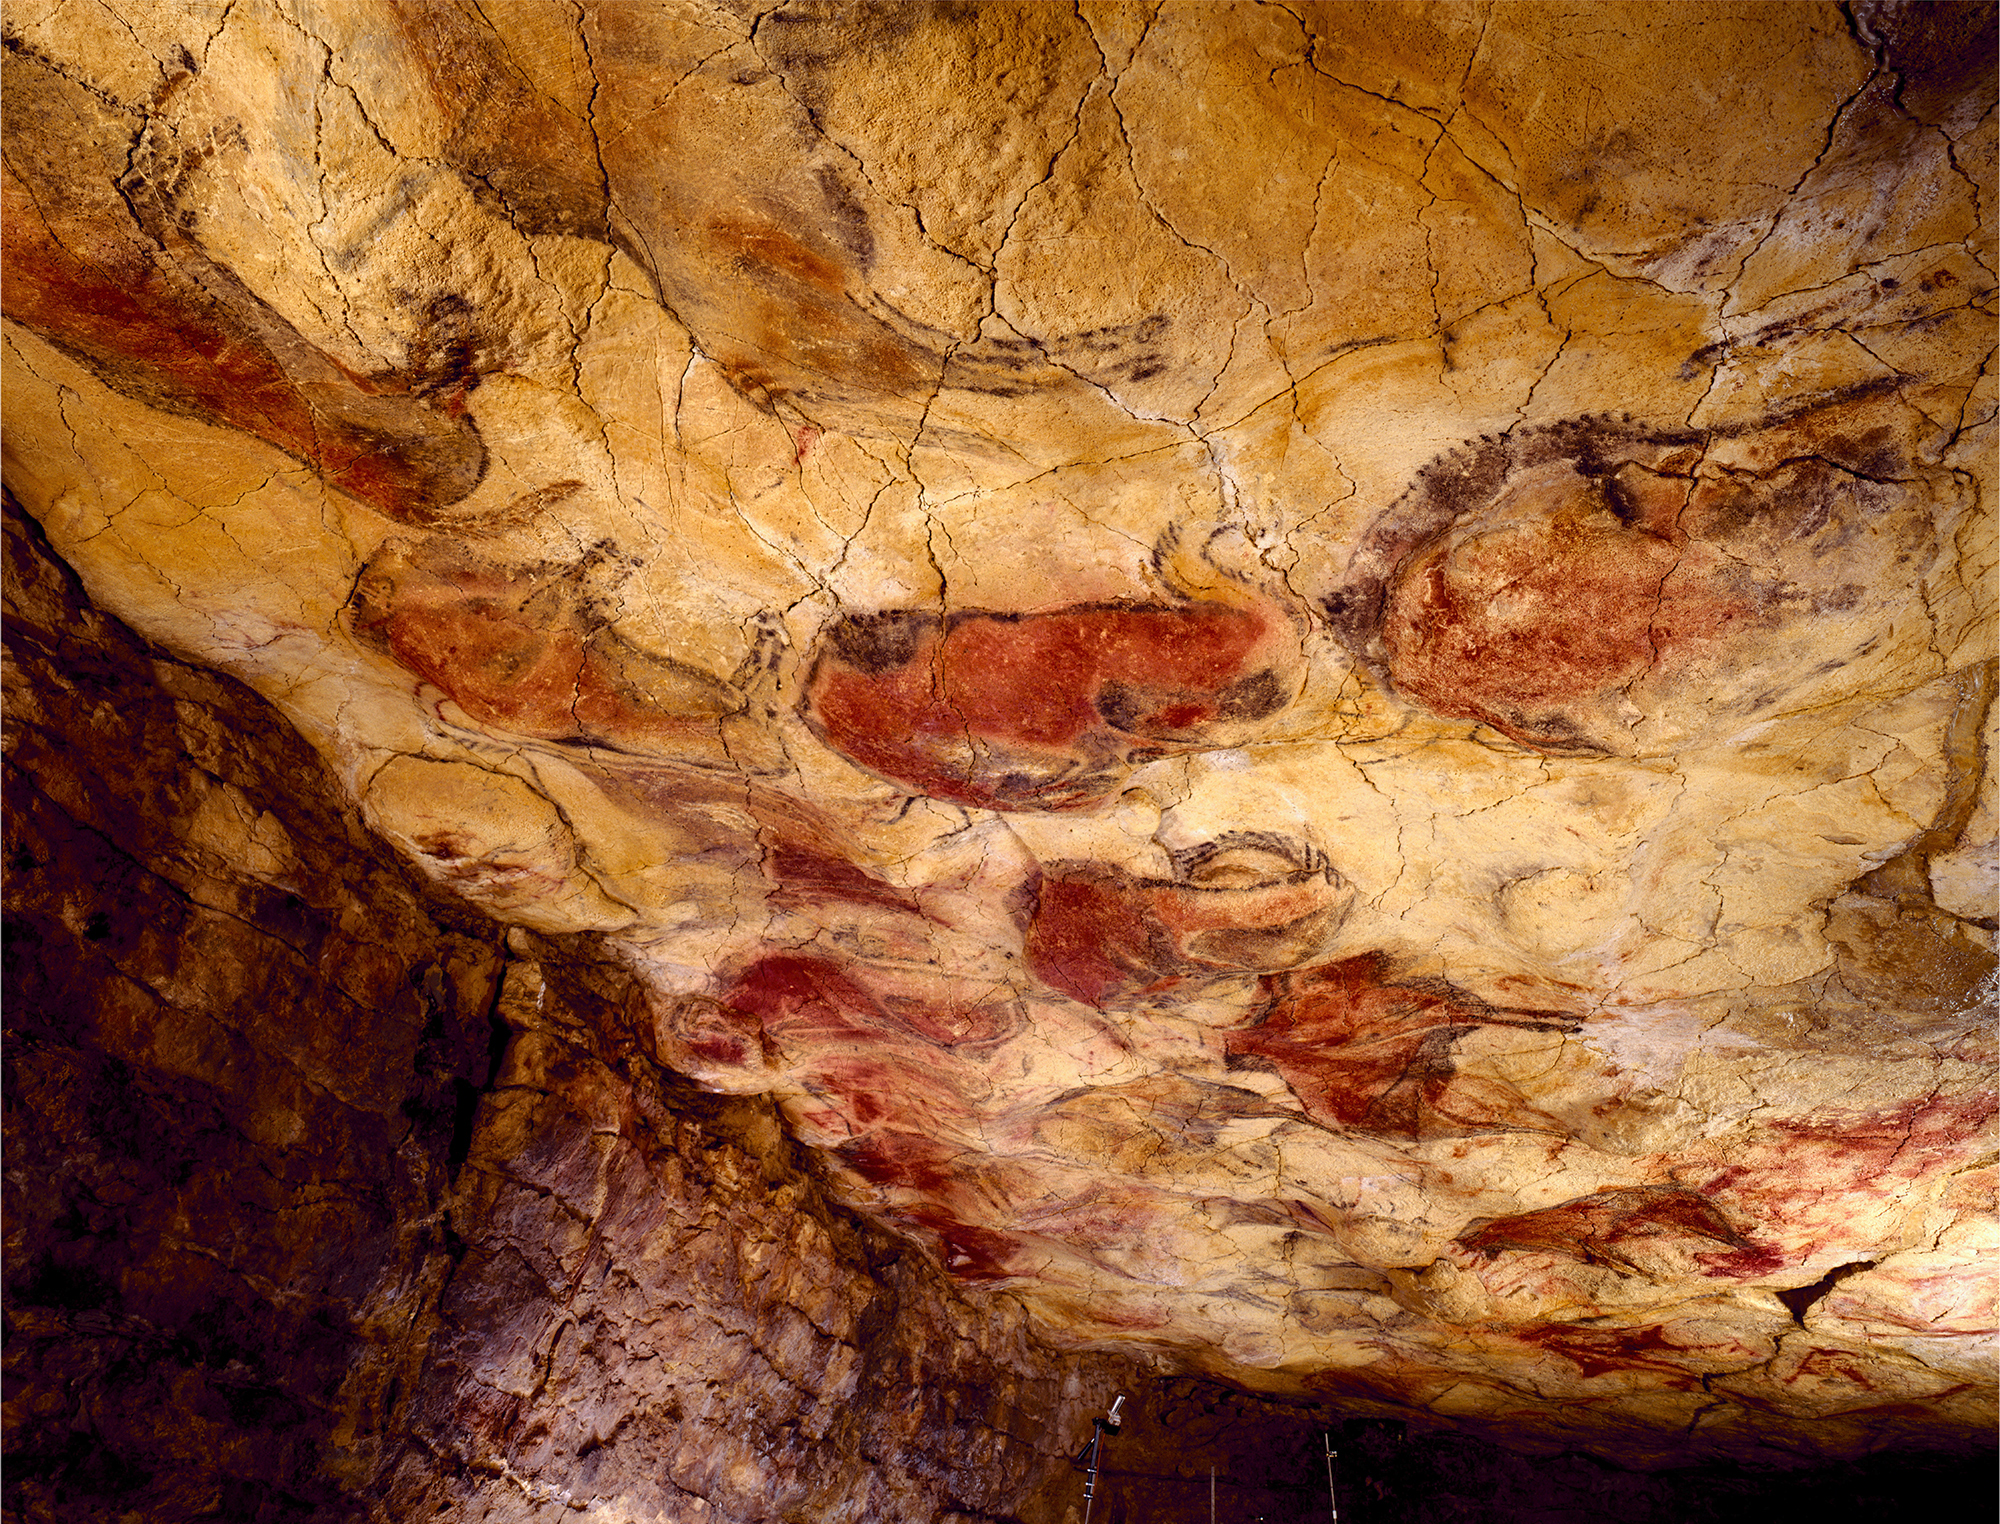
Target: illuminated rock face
(1312, 687)
(328, 1198)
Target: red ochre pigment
(1601, 1352)
(1375, 1057)
(1099, 933)
(1519, 625)
(515, 650)
(1600, 1229)
(812, 999)
(171, 345)
(1040, 711)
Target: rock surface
(1312, 686)
(327, 1199)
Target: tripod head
(1110, 1423)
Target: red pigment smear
(1788, 1174)
(724, 1036)
(1042, 711)
(553, 680)
(878, 1064)
(496, 664)
(169, 344)
(1100, 933)
(811, 1006)
(1091, 941)
(905, 1160)
(1511, 619)
(804, 999)
(1834, 1365)
(1514, 626)
(1376, 1057)
(806, 877)
(1593, 1228)
(1752, 1262)
(1799, 1159)
(1358, 1053)
(969, 1253)
(1601, 1351)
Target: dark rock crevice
(324, 1201)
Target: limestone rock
(1309, 685)
(327, 1201)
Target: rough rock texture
(322, 1202)
(1311, 684)
(240, 1041)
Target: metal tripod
(1088, 1455)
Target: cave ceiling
(1310, 684)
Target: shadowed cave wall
(803, 733)
(329, 1199)
(326, 1200)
